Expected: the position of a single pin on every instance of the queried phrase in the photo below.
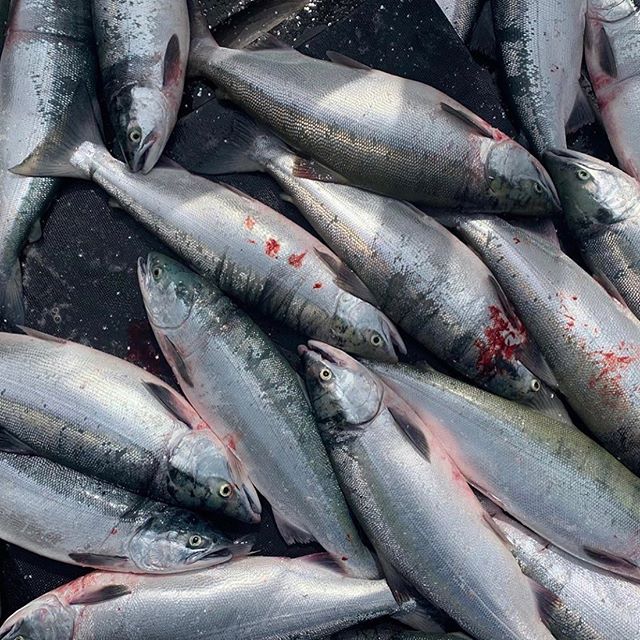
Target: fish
(111, 420)
(546, 474)
(540, 44)
(375, 130)
(612, 50)
(592, 604)
(249, 250)
(66, 516)
(47, 53)
(235, 378)
(590, 341)
(143, 46)
(462, 14)
(387, 632)
(258, 598)
(602, 209)
(426, 525)
(425, 279)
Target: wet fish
(417, 510)
(235, 377)
(249, 599)
(591, 343)
(114, 421)
(66, 516)
(47, 53)
(612, 54)
(462, 14)
(386, 632)
(590, 604)
(540, 43)
(249, 250)
(549, 476)
(416, 144)
(429, 282)
(602, 209)
(143, 46)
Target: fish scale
(47, 53)
(461, 14)
(590, 341)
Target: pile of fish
(455, 496)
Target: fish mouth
(396, 340)
(329, 353)
(547, 181)
(218, 556)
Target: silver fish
(114, 421)
(378, 131)
(612, 54)
(425, 279)
(66, 516)
(591, 343)
(237, 380)
(143, 47)
(462, 14)
(548, 475)
(386, 632)
(249, 250)
(417, 510)
(602, 209)
(589, 604)
(248, 599)
(47, 54)
(540, 44)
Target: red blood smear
(501, 342)
(295, 259)
(317, 285)
(114, 531)
(499, 136)
(230, 441)
(272, 247)
(249, 223)
(612, 366)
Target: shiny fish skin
(591, 343)
(403, 142)
(425, 279)
(594, 604)
(416, 508)
(602, 209)
(47, 52)
(66, 516)
(612, 54)
(258, 598)
(143, 47)
(548, 475)
(236, 378)
(540, 44)
(95, 413)
(462, 14)
(384, 632)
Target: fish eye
(225, 490)
(376, 339)
(135, 135)
(582, 174)
(535, 385)
(537, 187)
(156, 272)
(196, 541)
(325, 374)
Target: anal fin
(291, 533)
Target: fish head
(169, 290)
(519, 182)
(142, 118)
(592, 191)
(359, 327)
(46, 618)
(175, 540)
(205, 474)
(344, 393)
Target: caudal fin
(52, 158)
(202, 42)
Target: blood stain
(516, 240)
(272, 247)
(295, 259)
(502, 339)
(317, 285)
(249, 223)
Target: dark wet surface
(80, 278)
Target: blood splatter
(317, 285)
(114, 531)
(251, 241)
(502, 340)
(249, 223)
(612, 365)
(295, 259)
(517, 240)
(272, 247)
(230, 441)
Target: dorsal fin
(346, 61)
(175, 404)
(109, 592)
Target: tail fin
(201, 39)
(11, 303)
(52, 158)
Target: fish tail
(201, 39)
(11, 302)
(52, 158)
